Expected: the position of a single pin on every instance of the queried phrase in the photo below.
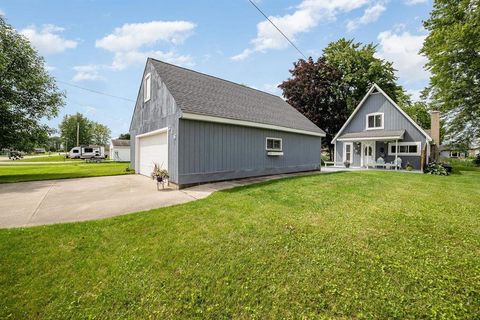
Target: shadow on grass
(276, 181)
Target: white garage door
(152, 149)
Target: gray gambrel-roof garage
(202, 129)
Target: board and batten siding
(213, 151)
(159, 112)
(393, 120)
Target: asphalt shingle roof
(202, 94)
(374, 134)
(120, 143)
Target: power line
(95, 91)
(273, 24)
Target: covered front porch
(379, 150)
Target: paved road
(56, 201)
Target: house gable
(394, 118)
(160, 111)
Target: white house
(120, 150)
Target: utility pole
(78, 134)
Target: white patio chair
(398, 163)
(380, 162)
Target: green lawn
(345, 245)
(46, 158)
(27, 172)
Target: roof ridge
(215, 77)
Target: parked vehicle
(87, 152)
(39, 150)
(15, 155)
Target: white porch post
(396, 154)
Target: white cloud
(415, 94)
(87, 72)
(90, 110)
(414, 2)
(122, 60)
(47, 39)
(129, 42)
(132, 36)
(2, 13)
(306, 16)
(371, 14)
(403, 50)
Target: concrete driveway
(56, 201)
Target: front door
(368, 153)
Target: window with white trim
(374, 121)
(455, 154)
(405, 148)
(347, 152)
(274, 144)
(147, 87)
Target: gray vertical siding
(393, 120)
(159, 112)
(212, 151)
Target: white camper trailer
(87, 152)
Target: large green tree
(68, 130)
(360, 69)
(419, 112)
(100, 133)
(453, 50)
(124, 136)
(27, 92)
(90, 132)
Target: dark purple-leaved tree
(315, 89)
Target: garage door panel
(153, 149)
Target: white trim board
(373, 87)
(371, 139)
(199, 117)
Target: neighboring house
(379, 133)
(451, 152)
(202, 128)
(120, 150)
(474, 151)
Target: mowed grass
(46, 158)
(30, 172)
(346, 245)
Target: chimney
(435, 133)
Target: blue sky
(103, 44)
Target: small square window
(274, 144)
(375, 121)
